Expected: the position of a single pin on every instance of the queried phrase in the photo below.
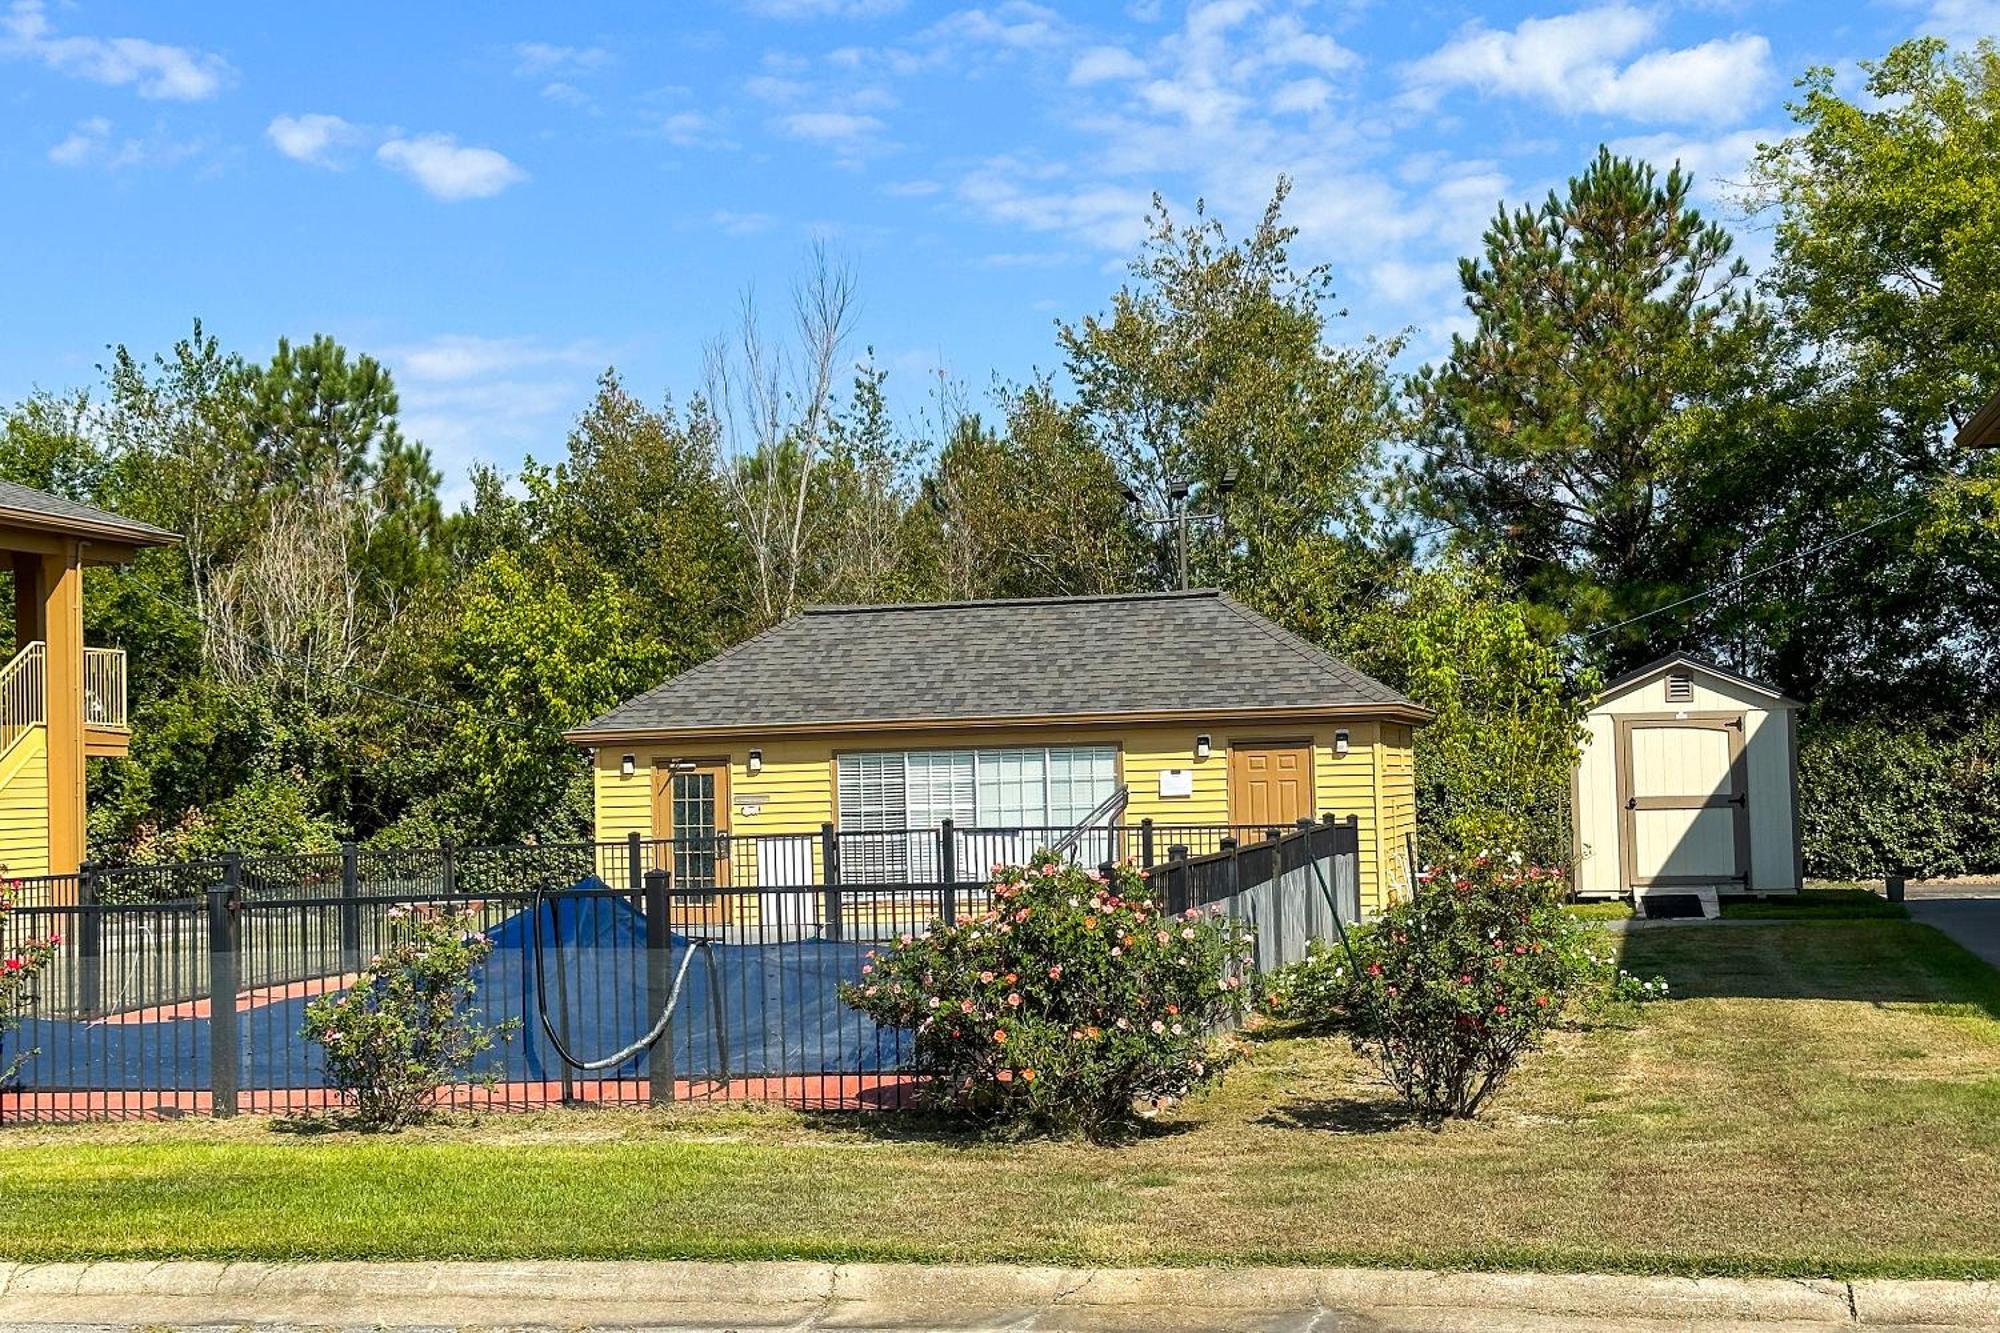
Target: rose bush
(406, 1028)
(19, 967)
(1073, 1004)
(1453, 986)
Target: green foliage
(1033, 509)
(1493, 767)
(1879, 797)
(1629, 988)
(1568, 438)
(1074, 1004)
(269, 814)
(1313, 993)
(1212, 366)
(1459, 982)
(406, 1027)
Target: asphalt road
(1969, 915)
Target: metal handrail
(23, 694)
(1105, 814)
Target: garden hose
(658, 1030)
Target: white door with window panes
(1008, 802)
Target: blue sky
(499, 200)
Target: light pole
(1179, 515)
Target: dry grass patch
(1822, 1098)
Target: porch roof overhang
(39, 523)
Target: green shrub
(1882, 796)
(1456, 984)
(406, 1028)
(18, 970)
(1630, 988)
(1313, 993)
(1073, 1004)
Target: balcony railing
(104, 687)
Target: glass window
(874, 803)
(912, 792)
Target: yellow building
(60, 702)
(1022, 719)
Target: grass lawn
(1817, 1099)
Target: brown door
(691, 817)
(1270, 783)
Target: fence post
(659, 985)
(948, 870)
(89, 943)
(1180, 889)
(350, 909)
(225, 947)
(447, 870)
(830, 923)
(635, 859)
(1146, 843)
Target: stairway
(24, 764)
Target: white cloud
(152, 69)
(1720, 166)
(85, 142)
(311, 138)
(568, 94)
(1103, 63)
(690, 129)
(834, 127)
(1301, 95)
(448, 169)
(539, 59)
(742, 224)
(914, 189)
(453, 358)
(93, 144)
(1586, 62)
(1963, 21)
(819, 9)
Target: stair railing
(23, 694)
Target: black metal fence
(587, 938)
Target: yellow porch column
(61, 584)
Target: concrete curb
(812, 1295)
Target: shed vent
(1680, 687)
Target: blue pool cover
(780, 1015)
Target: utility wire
(1757, 573)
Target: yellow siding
(24, 805)
(794, 792)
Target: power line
(1742, 579)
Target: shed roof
(24, 506)
(1054, 659)
(1632, 679)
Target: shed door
(1270, 783)
(1686, 802)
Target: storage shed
(1688, 781)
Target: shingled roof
(39, 509)
(1047, 658)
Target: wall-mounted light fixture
(1340, 742)
(1202, 748)
(756, 761)
(628, 765)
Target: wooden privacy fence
(194, 1002)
